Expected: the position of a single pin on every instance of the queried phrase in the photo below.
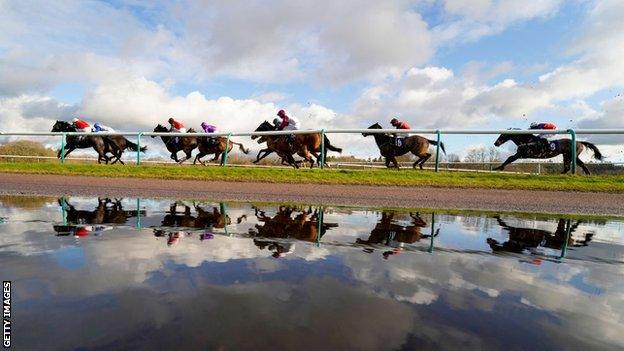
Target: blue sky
(436, 63)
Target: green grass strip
(405, 177)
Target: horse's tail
(331, 147)
(134, 147)
(433, 142)
(242, 148)
(594, 148)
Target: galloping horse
(102, 145)
(303, 145)
(529, 146)
(186, 143)
(218, 149)
(122, 144)
(415, 144)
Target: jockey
(176, 127)
(97, 127)
(543, 138)
(283, 122)
(209, 128)
(81, 126)
(398, 138)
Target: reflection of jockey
(174, 238)
(286, 123)
(176, 127)
(82, 231)
(398, 138)
(209, 128)
(543, 138)
(97, 127)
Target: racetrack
(357, 195)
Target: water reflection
(395, 230)
(264, 276)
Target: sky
(437, 64)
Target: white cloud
(474, 19)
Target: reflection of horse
(279, 249)
(417, 145)
(107, 211)
(521, 239)
(530, 146)
(303, 226)
(387, 231)
(215, 218)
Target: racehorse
(415, 144)
(122, 143)
(186, 143)
(205, 147)
(530, 146)
(303, 145)
(102, 145)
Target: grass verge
(603, 183)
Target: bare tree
(481, 154)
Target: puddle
(154, 274)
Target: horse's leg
(422, 162)
(387, 162)
(509, 160)
(416, 162)
(566, 164)
(267, 152)
(396, 163)
(174, 156)
(582, 164)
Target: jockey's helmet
(534, 125)
(170, 120)
(75, 120)
(394, 121)
(281, 113)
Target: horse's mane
(190, 130)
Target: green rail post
(63, 148)
(564, 247)
(320, 226)
(138, 160)
(63, 210)
(432, 232)
(223, 209)
(322, 148)
(227, 148)
(573, 149)
(437, 158)
(138, 212)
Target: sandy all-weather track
(355, 195)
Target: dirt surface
(375, 196)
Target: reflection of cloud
(207, 294)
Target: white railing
(437, 132)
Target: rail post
(319, 232)
(63, 136)
(322, 148)
(227, 148)
(564, 247)
(437, 158)
(138, 160)
(138, 217)
(430, 250)
(573, 149)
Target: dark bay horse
(122, 143)
(205, 147)
(186, 144)
(303, 145)
(417, 145)
(102, 145)
(530, 146)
